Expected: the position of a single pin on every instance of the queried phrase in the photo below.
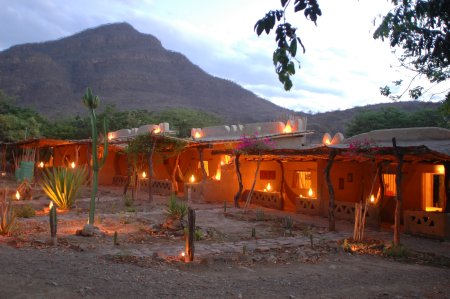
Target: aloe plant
(92, 102)
(61, 185)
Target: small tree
(252, 145)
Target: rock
(272, 259)
(88, 231)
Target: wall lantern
(192, 179)
(268, 188)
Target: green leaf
(293, 47)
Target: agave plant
(62, 185)
(7, 215)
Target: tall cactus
(92, 102)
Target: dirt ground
(301, 260)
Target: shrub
(127, 200)
(8, 217)
(62, 185)
(176, 210)
(396, 251)
(25, 211)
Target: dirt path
(53, 273)
(229, 262)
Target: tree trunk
(150, 171)
(282, 183)
(174, 172)
(398, 197)
(249, 196)
(239, 176)
(204, 174)
(447, 186)
(331, 221)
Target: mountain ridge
(126, 68)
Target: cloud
(342, 67)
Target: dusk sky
(343, 66)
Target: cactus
(53, 222)
(224, 207)
(92, 102)
(115, 239)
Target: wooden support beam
(331, 221)
(398, 197)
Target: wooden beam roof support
(237, 196)
(331, 221)
(398, 197)
(447, 186)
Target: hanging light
(372, 198)
(144, 175)
(192, 179)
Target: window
(267, 175)
(205, 164)
(433, 192)
(390, 188)
(302, 179)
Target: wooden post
(189, 257)
(282, 183)
(204, 175)
(174, 172)
(331, 221)
(150, 168)
(447, 187)
(53, 223)
(398, 197)
(239, 176)
(249, 196)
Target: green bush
(8, 217)
(396, 251)
(176, 210)
(62, 185)
(25, 211)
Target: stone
(272, 259)
(88, 231)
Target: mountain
(126, 68)
(336, 121)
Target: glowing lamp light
(110, 136)
(182, 254)
(440, 169)
(268, 188)
(41, 164)
(72, 164)
(433, 209)
(50, 205)
(218, 174)
(287, 128)
(197, 135)
(310, 192)
(372, 198)
(157, 130)
(17, 195)
(144, 175)
(192, 179)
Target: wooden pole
(150, 169)
(282, 182)
(447, 186)
(331, 221)
(189, 257)
(204, 174)
(249, 196)
(174, 172)
(398, 197)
